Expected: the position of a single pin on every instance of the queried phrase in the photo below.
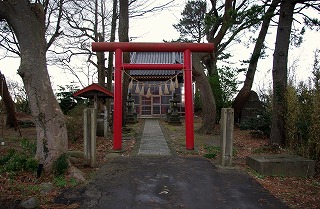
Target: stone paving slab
(153, 141)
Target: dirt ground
(295, 192)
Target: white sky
(159, 27)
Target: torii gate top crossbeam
(151, 47)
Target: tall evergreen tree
(192, 23)
(280, 65)
(243, 94)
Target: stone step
(282, 165)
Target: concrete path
(153, 141)
(167, 182)
(153, 181)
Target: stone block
(100, 127)
(281, 165)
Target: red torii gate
(120, 47)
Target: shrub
(75, 123)
(28, 146)
(217, 93)
(15, 161)
(60, 166)
(303, 115)
(22, 160)
(259, 124)
(66, 99)
(314, 140)
(291, 118)
(6, 158)
(224, 86)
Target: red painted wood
(92, 89)
(152, 66)
(151, 47)
(120, 47)
(117, 107)
(188, 100)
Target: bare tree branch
(138, 10)
(57, 31)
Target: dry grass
(296, 192)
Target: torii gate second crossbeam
(120, 47)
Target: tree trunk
(27, 21)
(243, 94)
(207, 98)
(211, 64)
(110, 57)
(279, 73)
(11, 119)
(216, 40)
(101, 74)
(123, 33)
(101, 64)
(100, 34)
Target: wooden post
(227, 126)
(89, 134)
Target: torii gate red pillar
(188, 99)
(120, 47)
(117, 103)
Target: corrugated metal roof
(155, 58)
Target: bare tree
(28, 23)
(139, 8)
(94, 21)
(85, 22)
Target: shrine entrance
(120, 47)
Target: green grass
(211, 151)
(210, 155)
(60, 181)
(255, 173)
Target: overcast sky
(159, 27)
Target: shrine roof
(94, 89)
(155, 58)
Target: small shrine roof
(92, 90)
